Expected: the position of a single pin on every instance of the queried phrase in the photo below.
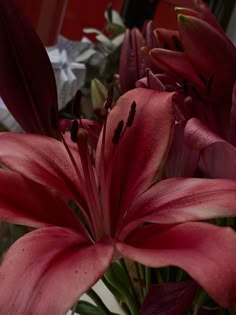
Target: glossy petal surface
(178, 200)
(43, 160)
(176, 64)
(209, 62)
(218, 157)
(53, 267)
(205, 251)
(25, 202)
(132, 165)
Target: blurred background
(69, 17)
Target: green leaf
(117, 277)
(116, 274)
(86, 308)
(98, 93)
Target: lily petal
(205, 251)
(206, 15)
(168, 39)
(130, 67)
(43, 160)
(232, 133)
(176, 64)
(150, 133)
(198, 35)
(33, 204)
(150, 35)
(45, 260)
(27, 83)
(178, 200)
(182, 160)
(151, 81)
(217, 157)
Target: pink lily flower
(215, 155)
(211, 70)
(205, 79)
(125, 210)
(27, 83)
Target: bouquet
(142, 196)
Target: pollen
(74, 131)
(131, 115)
(117, 132)
(109, 99)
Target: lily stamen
(86, 215)
(74, 131)
(117, 132)
(90, 182)
(109, 99)
(131, 114)
(76, 104)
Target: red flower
(206, 58)
(125, 210)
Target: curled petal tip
(182, 18)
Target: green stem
(141, 273)
(98, 301)
(115, 294)
(147, 279)
(167, 274)
(159, 276)
(180, 274)
(117, 277)
(123, 264)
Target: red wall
(85, 13)
(47, 16)
(165, 14)
(91, 14)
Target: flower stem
(147, 279)
(123, 264)
(141, 277)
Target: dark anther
(74, 131)
(195, 91)
(76, 104)
(177, 43)
(209, 83)
(131, 115)
(117, 132)
(109, 99)
(54, 118)
(203, 79)
(185, 87)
